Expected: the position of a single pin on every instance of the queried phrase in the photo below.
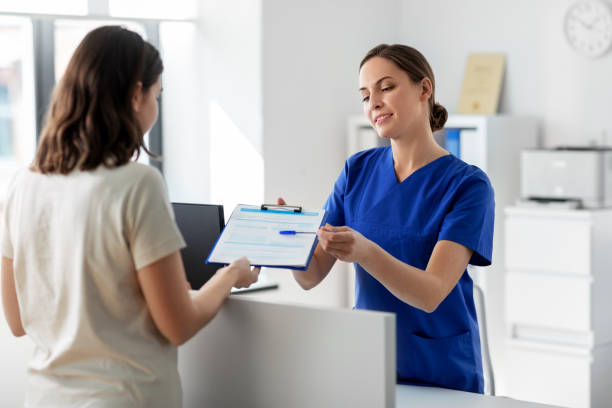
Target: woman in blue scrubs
(411, 217)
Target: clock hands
(595, 20)
(582, 22)
(590, 25)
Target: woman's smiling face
(392, 102)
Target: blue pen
(291, 232)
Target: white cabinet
(558, 309)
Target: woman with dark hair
(91, 268)
(411, 217)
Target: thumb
(280, 201)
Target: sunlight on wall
(236, 167)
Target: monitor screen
(200, 225)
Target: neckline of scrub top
(397, 182)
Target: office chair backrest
(484, 341)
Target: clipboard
(274, 236)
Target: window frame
(43, 26)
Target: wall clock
(588, 27)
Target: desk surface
(410, 396)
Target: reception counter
(258, 354)
(411, 396)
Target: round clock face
(588, 27)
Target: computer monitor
(200, 225)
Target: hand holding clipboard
(254, 232)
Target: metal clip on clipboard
(292, 208)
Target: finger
(339, 246)
(329, 248)
(323, 232)
(337, 229)
(338, 237)
(324, 235)
(324, 238)
(280, 201)
(241, 260)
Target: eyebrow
(377, 82)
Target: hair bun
(438, 117)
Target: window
(161, 9)
(38, 37)
(69, 33)
(74, 7)
(17, 129)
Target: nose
(375, 101)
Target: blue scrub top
(446, 199)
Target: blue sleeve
(470, 220)
(334, 206)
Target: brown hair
(416, 66)
(90, 120)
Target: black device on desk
(200, 225)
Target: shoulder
(15, 182)
(19, 177)
(132, 182)
(138, 171)
(468, 177)
(366, 158)
(135, 176)
(20, 180)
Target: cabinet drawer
(548, 244)
(556, 301)
(549, 375)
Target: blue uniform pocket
(447, 362)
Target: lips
(382, 117)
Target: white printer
(580, 174)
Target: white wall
(311, 55)
(221, 96)
(570, 94)
(185, 122)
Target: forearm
(208, 300)
(177, 315)
(309, 278)
(9, 299)
(417, 287)
(319, 267)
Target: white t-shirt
(76, 242)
